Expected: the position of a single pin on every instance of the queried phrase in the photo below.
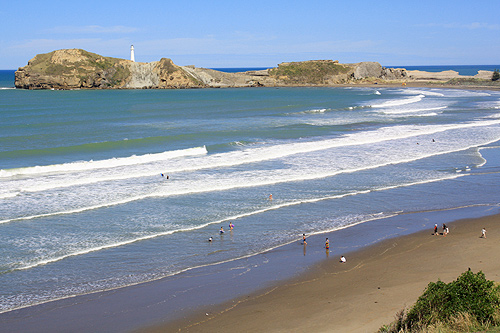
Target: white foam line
(235, 217)
(413, 110)
(372, 218)
(261, 154)
(103, 164)
(399, 102)
(229, 187)
(77, 210)
(9, 195)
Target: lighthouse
(132, 56)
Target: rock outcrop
(79, 69)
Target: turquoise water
(84, 205)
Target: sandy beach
(390, 260)
(362, 294)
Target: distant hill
(79, 69)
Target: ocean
(86, 204)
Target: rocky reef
(79, 69)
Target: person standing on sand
(327, 244)
(304, 239)
(483, 233)
(435, 229)
(342, 259)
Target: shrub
(495, 76)
(471, 300)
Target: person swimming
(221, 230)
(210, 239)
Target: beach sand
(362, 294)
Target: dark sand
(362, 294)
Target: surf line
(252, 155)
(227, 187)
(274, 152)
(103, 164)
(235, 217)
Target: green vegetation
(469, 304)
(308, 72)
(495, 76)
(473, 82)
(92, 69)
(167, 66)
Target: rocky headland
(79, 69)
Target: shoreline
(149, 294)
(182, 300)
(361, 295)
(400, 84)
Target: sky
(215, 34)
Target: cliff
(79, 69)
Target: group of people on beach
(327, 246)
(446, 230)
(304, 239)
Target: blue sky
(256, 33)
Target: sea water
(86, 204)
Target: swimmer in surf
(210, 239)
(327, 244)
(231, 226)
(221, 230)
(304, 239)
(270, 197)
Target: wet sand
(362, 294)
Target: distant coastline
(7, 76)
(469, 70)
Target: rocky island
(79, 69)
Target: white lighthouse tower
(132, 56)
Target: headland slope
(80, 69)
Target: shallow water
(84, 205)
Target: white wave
(310, 111)
(240, 157)
(489, 105)
(399, 102)
(423, 92)
(230, 181)
(430, 114)
(7, 88)
(235, 217)
(403, 111)
(377, 92)
(77, 210)
(316, 111)
(102, 164)
(8, 195)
